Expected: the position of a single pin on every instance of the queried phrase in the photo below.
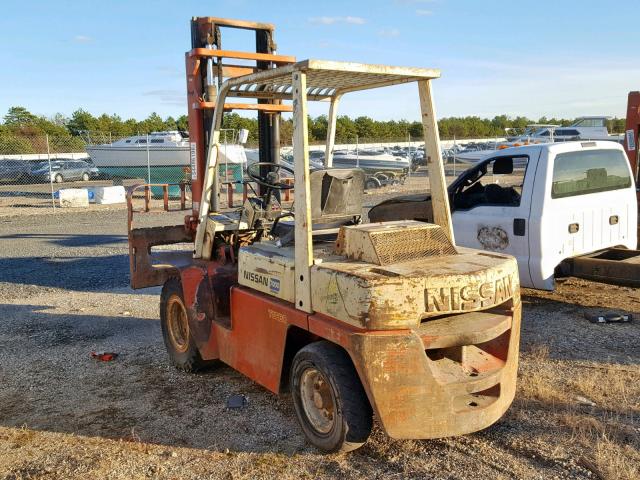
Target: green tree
(81, 121)
(18, 116)
(182, 123)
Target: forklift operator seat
(337, 196)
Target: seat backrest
(336, 194)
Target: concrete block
(73, 197)
(109, 195)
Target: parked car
(13, 171)
(63, 170)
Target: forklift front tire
(174, 322)
(330, 402)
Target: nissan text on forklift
(352, 318)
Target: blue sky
(554, 58)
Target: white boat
(371, 161)
(160, 157)
(132, 156)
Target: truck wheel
(174, 321)
(372, 183)
(330, 402)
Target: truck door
(492, 212)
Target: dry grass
(596, 405)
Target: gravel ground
(64, 293)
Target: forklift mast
(206, 69)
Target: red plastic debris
(104, 356)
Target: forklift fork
(147, 270)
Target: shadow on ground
(101, 273)
(71, 240)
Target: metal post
(53, 200)
(226, 172)
(357, 154)
(410, 157)
(455, 151)
(148, 162)
(437, 182)
(303, 238)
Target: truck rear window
(589, 171)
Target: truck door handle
(519, 227)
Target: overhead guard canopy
(325, 79)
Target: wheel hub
(318, 400)
(177, 323)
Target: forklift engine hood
(398, 274)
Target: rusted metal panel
(254, 343)
(146, 270)
(632, 133)
(431, 393)
(263, 57)
(617, 266)
(382, 297)
(333, 330)
(204, 22)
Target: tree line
(22, 132)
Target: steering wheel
(271, 179)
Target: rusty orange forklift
(353, 318)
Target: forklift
(351, 318)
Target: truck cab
(546, 203)
(542, 203)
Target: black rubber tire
(372, 183)
(354, 418)
(189, 360)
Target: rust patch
(493, 238)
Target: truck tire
(372, 183)
(174, 322)
(330, 402)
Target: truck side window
(589, 171)
(498, 183)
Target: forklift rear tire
(174, 321)
(330, 402)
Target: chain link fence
(35, 170)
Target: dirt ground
(64, 294)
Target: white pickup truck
(543, 204)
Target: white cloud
(389, 32)
(334, 20)
(82, 39)
(423, 13)
(168, 96)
